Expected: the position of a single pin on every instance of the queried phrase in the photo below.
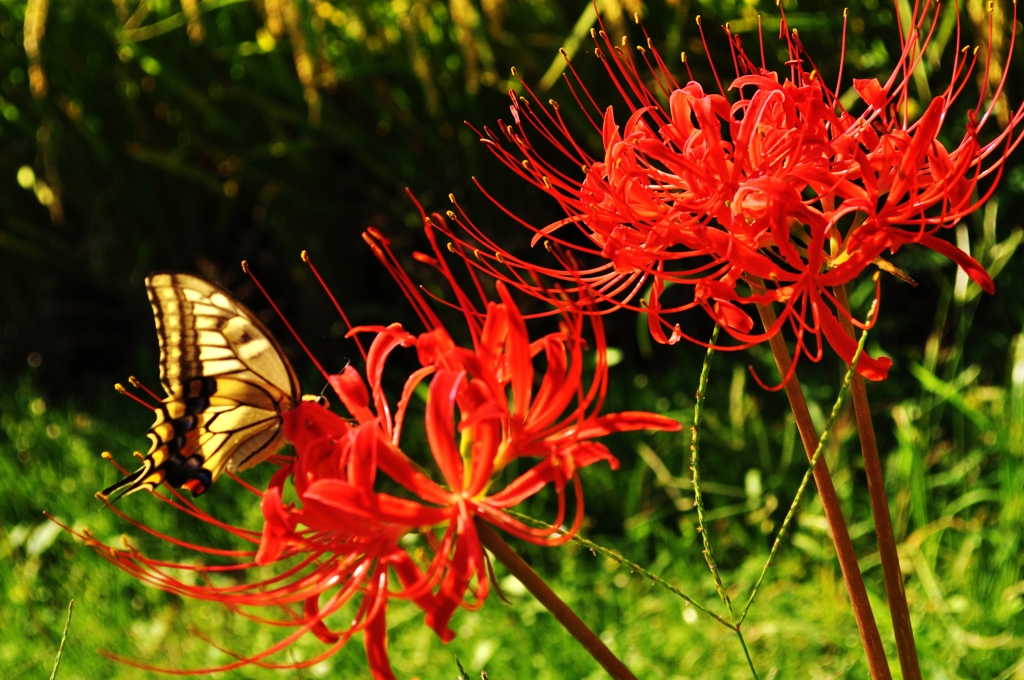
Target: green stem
(698, 496)
(175, 21)
(743, 643)
(615, 556)
(891, 572)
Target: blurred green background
(140, 136)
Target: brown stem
(891, 571)
(872, 641)
(567, 617)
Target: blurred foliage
(137, 136)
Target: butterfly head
(319, 399)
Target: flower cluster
(775, 193)
(356, 492)
(770, 193)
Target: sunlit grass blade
(463, 675)
(63, 639)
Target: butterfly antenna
(138, 384)
(120, 388)
(245, 268)
(344, 317)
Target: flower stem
(566, 616)
(891, 572)
(872, 641)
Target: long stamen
(341, 312)
(138, 384)
(842, 55)
(711, 61)
(280, 315)
(121, 389)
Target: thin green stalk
(633, 566)
(699, 502)
(822, 440)
(173, 22)
(518, 567)
(63, 639)
(743, 643)
(698, 496)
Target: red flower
(776, 194)
(339, 547)
(328, 561)
(481, 415)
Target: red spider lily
(334, 563)
(774, 194)
(482, 413)
(337, 548)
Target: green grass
(961, 553)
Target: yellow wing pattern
(227, 382)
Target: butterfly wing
(228, 383)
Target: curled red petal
(311, 607)
(440, 425)
(375, 640)
(278, 527)
(972, 267)
(351, 389)
(871, 92)
(520, 357)
(846, 347)
(732, 316)
(361, 504)
(464, 564)
(625, 421)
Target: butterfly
(228, 385)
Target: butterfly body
(228, 384)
